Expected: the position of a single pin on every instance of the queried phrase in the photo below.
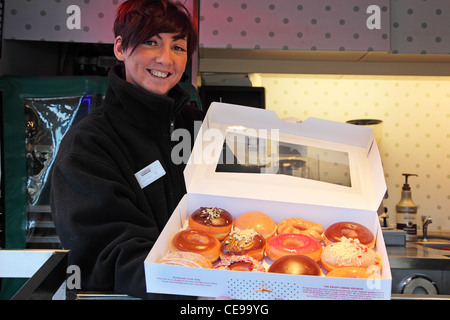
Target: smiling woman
(155, 51)
(114, 181)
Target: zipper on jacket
(172, 127)
(175, 111)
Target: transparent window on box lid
(249, 154)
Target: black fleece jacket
(99, 209)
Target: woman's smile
(159, 74)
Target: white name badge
(150, 174)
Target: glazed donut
(301, 226)
(348, 253)
(186, 259)
(296, 264)
(293, 244)
(352, 230)
(215, 221)
(352, 272)
(258, 221)
(243, 242)
(240, 263)
(196, 241)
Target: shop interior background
(414, 109)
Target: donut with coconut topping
(348, 253)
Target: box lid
(252, 153)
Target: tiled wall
(57, 20)
(416, 126)
(405, 26)
(310, 25)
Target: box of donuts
(275, 210)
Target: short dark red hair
(139, 20)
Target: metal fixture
(426, 220)
(419, 284)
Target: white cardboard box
(352, 148)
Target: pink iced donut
(293, 243)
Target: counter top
(414, 255)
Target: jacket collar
(144, 106)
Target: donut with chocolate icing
(352, 230)
(243, 242)
(296, 264)
(215, 221)
(197, 241)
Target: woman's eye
(179, 48)
(150, 42)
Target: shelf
(322, 62)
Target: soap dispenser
(406, 211)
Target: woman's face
(156, 65)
